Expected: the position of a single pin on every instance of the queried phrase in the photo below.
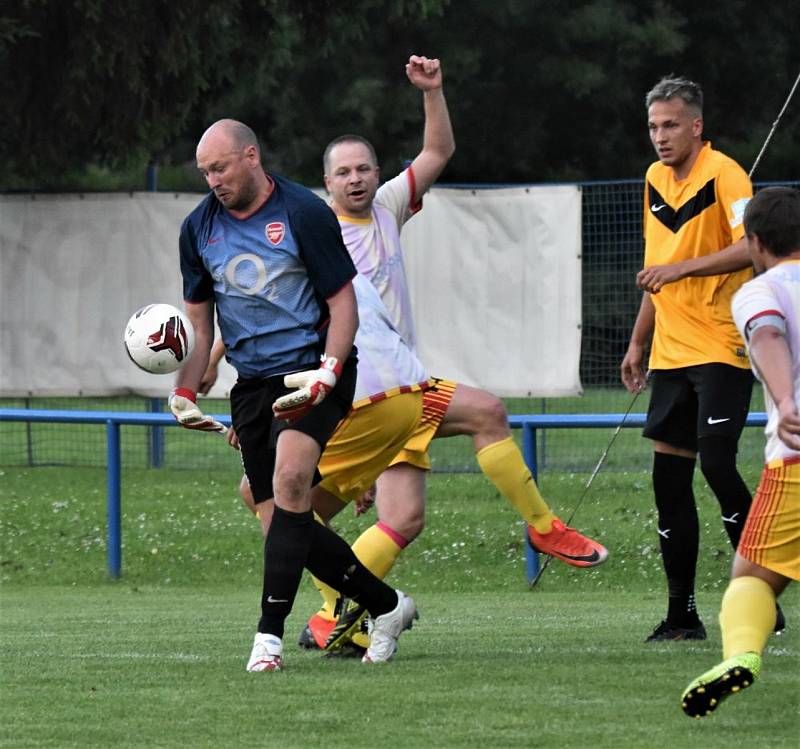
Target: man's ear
(760, 249)
(252, 155)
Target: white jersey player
(767, 312)
(374, 245)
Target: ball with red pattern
(159, 338)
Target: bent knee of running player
(477, 413)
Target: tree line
(538, 90)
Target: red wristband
(186, 393)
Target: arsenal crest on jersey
(275, 232)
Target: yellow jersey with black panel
(688, 218)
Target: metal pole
(114, 499)
(151, 178)
(529, 453)
(29, 434)
(156, 441)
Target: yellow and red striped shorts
(771, 535)
(365, 442)
(435, 402)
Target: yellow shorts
(435, 402)
(365, 442)
(771, 535)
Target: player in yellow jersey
(767, 311)
(700, 375)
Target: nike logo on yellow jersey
(675, 218)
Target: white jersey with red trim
(775, 292)
(374, 245)
(386, 364)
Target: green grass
(129, 666)
(156, 659)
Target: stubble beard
(246, 197)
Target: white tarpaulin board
(495, 279)
(73, 269)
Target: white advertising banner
(495, 277)
(494, 274)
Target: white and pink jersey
(775, 292)
(386, 364)
(374, 245)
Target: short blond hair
(670, 87)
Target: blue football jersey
(269, 276)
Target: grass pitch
(157, 658)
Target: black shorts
(258, 429)
(700, 401)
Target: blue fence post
(529, 453)
(114, 499)
(151, 177)
(156, 442)
(541, 452)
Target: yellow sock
(378, 547)
(747, 616)
(504, 466)
(329, 597)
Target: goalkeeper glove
(183, 406)
(313, 386)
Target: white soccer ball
(159, 338)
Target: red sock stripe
(393, 534)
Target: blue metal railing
(114, 419)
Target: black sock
(333, 561)
(681, 609)
(678, 533)
(718, 463)
(285, 554)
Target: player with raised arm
(371, 217)
(767, 312)
(268, 255)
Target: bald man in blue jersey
(268, 255)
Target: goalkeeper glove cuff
(184, 408)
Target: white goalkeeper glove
(183, 406)
(313, 386)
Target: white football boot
(266, 653)
(385, 629)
